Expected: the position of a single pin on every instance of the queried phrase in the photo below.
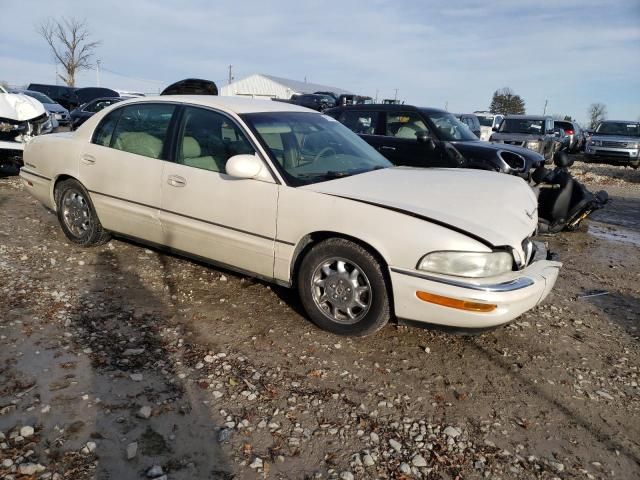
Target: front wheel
(77, 216)
(343, 288)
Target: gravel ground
(122, 362)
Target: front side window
(362, 122)
(208, 139)
(405, 125)
(142, 129)
(310, 147)
(449, 128)
(98, 105)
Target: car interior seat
(140, 143)
(191, 155)
(291, 150)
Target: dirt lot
(122, 362)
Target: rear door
(363, 122)
(207, 213)
(122, 168)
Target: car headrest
(562, 160)
(190, 148)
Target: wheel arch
(307, 242)
(54, 184)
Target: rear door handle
(88, 159)
(386, 147)
(176, 181)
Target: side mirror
(424, 137)
(495, 129)
(243, 166)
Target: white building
(268, 86)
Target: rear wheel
(343, 288)
(77, 216)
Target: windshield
(41, 97)
(310, 148)
(522, 125)
(486, 121)
(623, 129)
(449, 127)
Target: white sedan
(289, 195)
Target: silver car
(616, 142)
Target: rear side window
(104, 132)
(405, 125)
(359, 121)
(142, 129)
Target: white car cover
(15, 106)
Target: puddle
(614, 234)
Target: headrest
(190, 148)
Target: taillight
(569, 132)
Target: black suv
(429, 137)
(61, 94)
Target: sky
(444, 54)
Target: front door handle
(88, 159)
(176, 181)
(386, 147)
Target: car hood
(517, 136)
(615, 138)
(55, 108)
(15, 106)
(500, 209)
(491, 149)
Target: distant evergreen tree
(505, 101)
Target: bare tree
(597, 113)
(70, 44)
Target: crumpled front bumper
(15, 134)
(512, 294)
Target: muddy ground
(122, 362)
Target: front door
(401, 146)
(122, 169)
(207, 213)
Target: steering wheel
(323, 151)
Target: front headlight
(633, 145)
(533, 145)
(595, 143)
(467, 264)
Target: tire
(77, 216)
(327, 272)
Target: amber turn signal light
(455, 303)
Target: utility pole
(395, 97)
(230, 79)
(446, 106)
(545, 106)
(98, 72)
(376, 100)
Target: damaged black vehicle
(21, 118)
(429, 137)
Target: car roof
(237, 105)
(634, 122)
(390, 107)
(529, 117)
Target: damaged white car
(21, 118)
(292, 196)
